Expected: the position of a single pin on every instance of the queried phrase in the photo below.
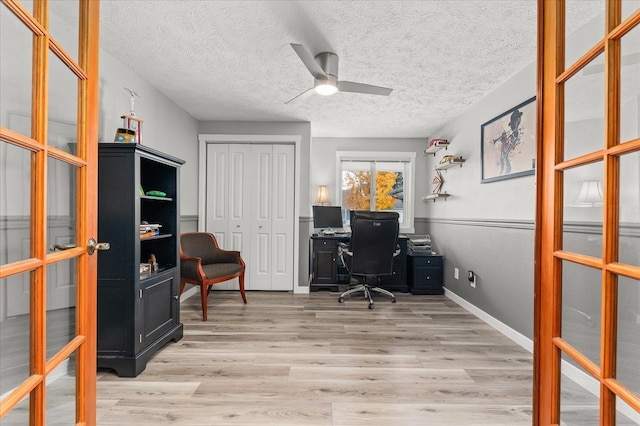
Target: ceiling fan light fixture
(326, 87)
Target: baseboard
(512, 334)
(188, 293)
(581, 378)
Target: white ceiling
(232, 60)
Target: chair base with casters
(204, 263)
(367, 289)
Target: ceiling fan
(324, 69)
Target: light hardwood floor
(287, 359)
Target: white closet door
(217, 184)
(282, 221)
(249, 207)
(262, 197)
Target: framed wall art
(509, 143)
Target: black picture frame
(508, 143)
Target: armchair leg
(182, 284)
(203, 300)
(241, 281)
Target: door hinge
(140, 335)
(140, 293)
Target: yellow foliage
(357, 195)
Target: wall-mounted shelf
(451, 163)
(434, 197)
(436, 145)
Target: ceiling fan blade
(308, 60)
(350, 86)
(301, 95)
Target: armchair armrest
(191, 267)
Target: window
(390, 190)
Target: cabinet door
(159, 306)
(324, 262)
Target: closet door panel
(217, 192)
(283, 211)
(261, 274)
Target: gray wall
(167, 127)
(486, 228)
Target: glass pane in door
(63, 105)
(61, 393)
(630, 86)
(580, 36)
(629, 235)
(61, 305)
(14, 334)
(628, 365)
(64, 17)
(579, 403)
(584, 110)
(582, 210)
(629, 7)
(15, 203)
(581, 308)
(15, 73)
(61, 204)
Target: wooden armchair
(204, 263)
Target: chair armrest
(344, 248)
(191, 267)
(229, 256)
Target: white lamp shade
(323, 195)
(590, 194)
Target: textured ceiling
(232, 60)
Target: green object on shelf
(156, 194)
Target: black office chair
(370, 252)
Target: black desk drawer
(425, 274)
(426, 260)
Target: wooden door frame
(548, 343)
(85, 160)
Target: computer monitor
(327, 218)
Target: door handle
(62, 247)
(92, 246)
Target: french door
(587, 271)
(48, 182)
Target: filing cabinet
(425, 274)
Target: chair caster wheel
(340, 299)
(393, 300)
(370, 305)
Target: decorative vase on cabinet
(138, 279)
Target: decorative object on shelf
(438, 181)
(156, 193)
(436, 145)
(509, 143)
(322, 197)
(449, 161)
(125, 136)
(131, 121)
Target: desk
(328, 273)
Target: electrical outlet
(456, 273)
